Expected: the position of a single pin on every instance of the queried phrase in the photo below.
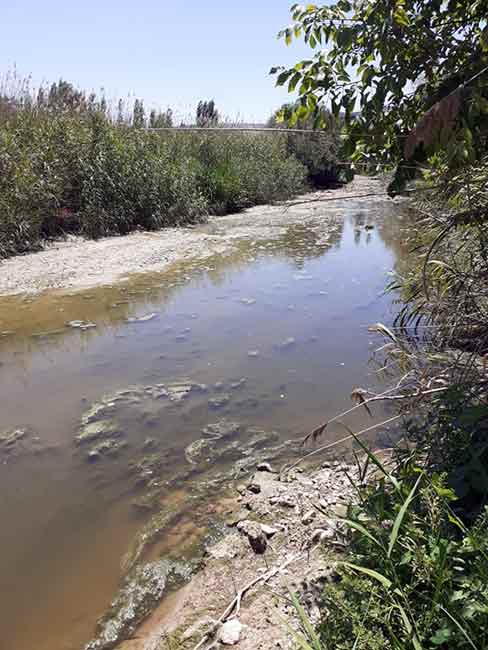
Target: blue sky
(168, 53)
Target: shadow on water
(277, 332)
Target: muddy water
(287, 314)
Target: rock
(321, 534)
(253, 353)
(17, 442)
(235, 518)
(178, 392)
(219, 402)
(248, 301)
(340, 510)
(308, 517)
(255, 535)
(286, 502)
(264, 467)
(269, 531)
(255, 488)
(9, 439)
(230, 632)
(241, 488)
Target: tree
(384, 65)
(138, 114)
(318, 151)
(63, 96)
(120, 113)
(207, 114)
(161, 119)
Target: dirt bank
(78, 263)
(283, 535)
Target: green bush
(319, 150)
(66, 166)
(416, 576)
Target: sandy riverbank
(77, 263)
(292, 521)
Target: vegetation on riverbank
(415, 575)
(70, 164)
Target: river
(272, 334)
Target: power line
(256, 129)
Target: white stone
(269, 531)
(230, 632)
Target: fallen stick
(236, 602)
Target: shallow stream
(272, 337)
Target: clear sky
(167, 53)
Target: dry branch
(338, 442)
(236, 602)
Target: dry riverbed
(77, 263)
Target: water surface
(289, 315)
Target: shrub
(416, 576)
(318, 151)
(67, 166)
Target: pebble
(321, 534)
(230, 632)
(269, 531)
(255, 488)
(308, 517)
(255, 535)
(253, 353)
(286, 502)
(264, 467)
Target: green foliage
(66, 166)
(318, 150)
(382, 65)
(207, 114)
(416, 576)
(139, 114)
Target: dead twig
(236, 602)
(338, 442)
(318, 431)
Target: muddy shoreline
(77, 263)
(284, 531)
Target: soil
(77, 263)
(299, 513)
